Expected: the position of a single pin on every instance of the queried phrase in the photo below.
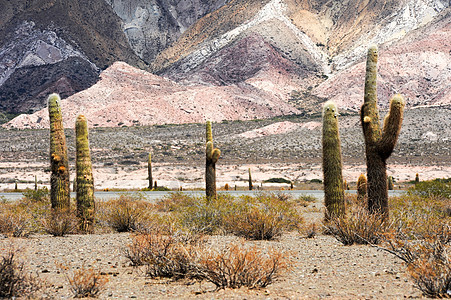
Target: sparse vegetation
(86, 282)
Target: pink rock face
(129, 96)
(418, 68)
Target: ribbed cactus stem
(379, 143)
(361, 187)
(84, 179)
(149, 170)
(390, 183)
(332, 165)
(250, 180)
(59, 178)
(212, 156)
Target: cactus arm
(209, 135)
(369, 111)
(215, 155)
(392, 127)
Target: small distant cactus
(212, 156)
(417, 178)
(84, 179)
(35, 183)
(390, 183)
(379, 143)
(250, 180)
(149, 170)
(361, 187)
(332, 165)
(59, 178)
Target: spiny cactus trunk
(84, 179)
(332, 165)
(379, 143)
(59, 178)
(361, 187)
(149, 171)
(212, 156)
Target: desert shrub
(39, 195)
(304, 200)
(417, 217)
(60, 222)
(14, 282)
(309, 230)
(278, 180)
(171, 256)
(199, 215)
(125, 213)
(264, 217)
(86, 282)
(171, 201)
(238, 266)
(15, 221)
(358, 226)
(428, 263)
(434, 188)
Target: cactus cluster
(84, 178)
(212, 156)
(332, 165)
(59, 178)
(379, 142)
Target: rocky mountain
(291, 53)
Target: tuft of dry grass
(60, 222)
(14, 282)
(124, 214)
(358, 226)
(86, 282)
(15, 221)
(264, 217)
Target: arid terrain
(320, 268)
(280, 147)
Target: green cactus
(361, 187)
(417, 178)
(35, 183)
(84, 179)
(212, 156)
(379, 143)
(332, 165)
(250, 180)
(149, 170)
(390, 183)
(59, 178)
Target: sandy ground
(320, 268)
(192, 177)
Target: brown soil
(321, 267)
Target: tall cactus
(84, 179)
(391, 186)
(332, 165)
(250, 180)
(59, 178)
(361, 187)
(379, 143)
(149, 170)
(212, 156)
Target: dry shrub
(169, 256)
(309, 230)
(125, 213)
(15, 221)
(419, 217)
(86, 282)
(264, 217)
(172, 201)
(201, 216)
(60, 222)
(14, 282)
(358, 226)
(239, 266)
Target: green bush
(437, 188)
(39, 195)
(278, 180)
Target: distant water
(154, 195)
